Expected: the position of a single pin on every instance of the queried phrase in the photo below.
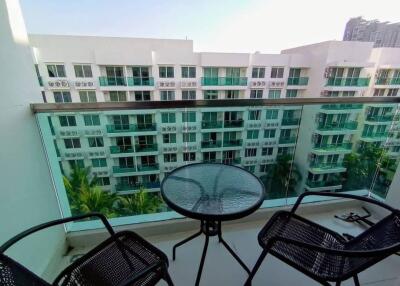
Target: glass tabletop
(212, 191)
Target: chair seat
(320, 266)
(114, 262)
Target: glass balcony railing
(211, 124)
(112, 81)
(388, 81)
(380, 118)
(140, 81)
(221, 81)
(290, 121)
(337, 126)
(297, 81)
(286, 164)
(341, 106)
(348, 81)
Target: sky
(268, 26)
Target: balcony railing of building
(348, 81)
(113, 161)
(341, 106)
(233, 123)
(221, 81)
(297, 81)
(121, 187)
(388, 81)
(126, 81)
(375, 135)
(380, 118)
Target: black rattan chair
(323, 254)
(123, 259)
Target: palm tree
(94, 199)
(282, 179)
(141, 202)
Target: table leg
(184, 241)
(203, 257)
(230, 249)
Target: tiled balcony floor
(221, 269)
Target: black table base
(209, 228)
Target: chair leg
(256, 266)
(168, 279)
(338, 283)
(356, 282)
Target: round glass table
(212, 193)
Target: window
(62, 96)
(166, 72)
(264, 168)
(72, 143)
(256, 93)
(115, 75)
(189, 116)
(348, 93)
(103, 181)
(258, 72)
(76, 164)
(211, 94)
(269, 133)
(252, 134)
(379, 92)
(67, 121)
(91, 120)
(250, 168)
(210, 72)
(188, 72)
(274, 93)
(231, 94)
(56, 70)
(167, 95)
(83, 71)
(142, 95)
(254, 114)
(96, 142)
(189, 137)
(250, 152)
(170, 157)
(271, 114)
(87, 95)
(267, 151)
(168, 117)
(169, 138)
(291, 93)
(189, 94)
(277, 72)
(117, 96)
(141, 73)
(393, 92)
(189, 156)
(99, 162)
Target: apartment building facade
(133, 148)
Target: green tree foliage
(141, 202)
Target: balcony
(232, 143)
(380, 118)
(341, 106)
(338, 147)
(212, 161)
(287, 140)
(297, 81)
(112, 81)
(123, 169)
(375, 136)
(141, 127)
(348, 81)
(290, 121)
(136, 186)
(327, 167)
(121, 149)
(211, 144)
(388, 81)
(322, 184)
(231, 161)
(337, 126)
(119, 128)
(224, 81)
(146, 147)
(211, 124)
(233, 123)
(138, 81)
(148, 167)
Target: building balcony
(380, 118)
(290, 121)
(321, 184)
(211, 124)
(148, 167)
(136, 187)
(121, 149)
(297, 81)
(211, 144)
(388, 81)
(233, 123)
(224, 81)
(112, 81)
(287, 140)
(139, 81)
(212, 161)
(146, 147)
(112, 128)
(341, 106)
(348, 81)
(141, 127)
(337, 126)
(232, 143)
(231, 161)
(327, 167)
(338, 147)
(374, 136)
(123, 169)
